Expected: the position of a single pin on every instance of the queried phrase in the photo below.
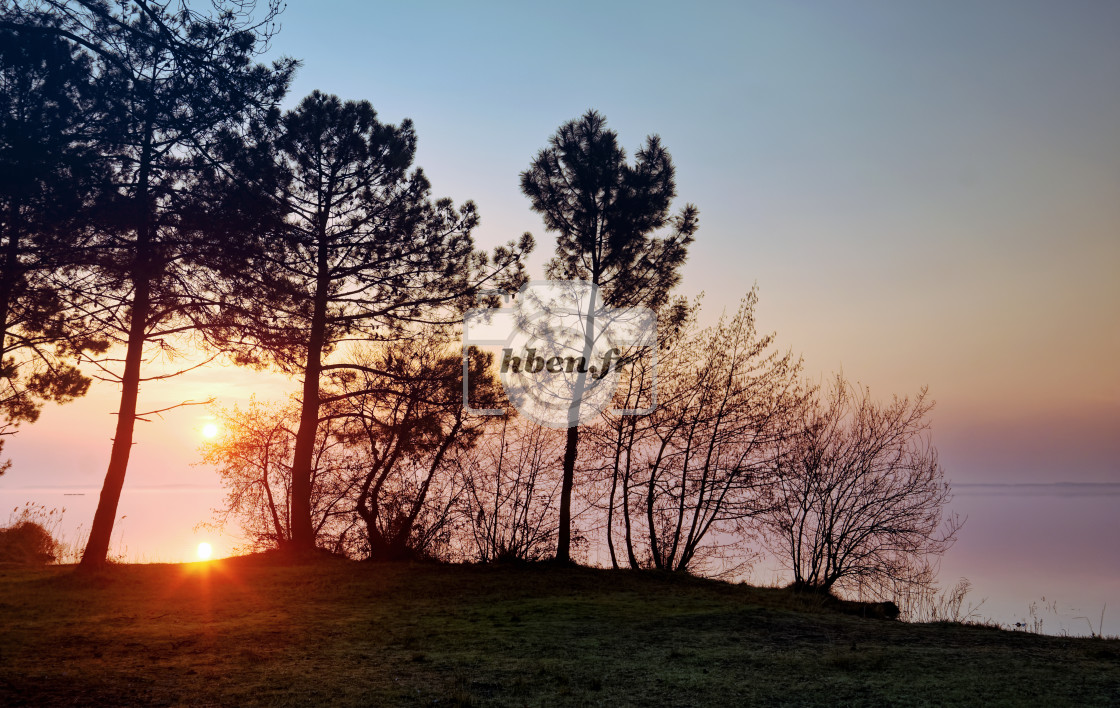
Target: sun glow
(209, 430)
(204, 551)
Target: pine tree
(48, 171)
(606, 213)
(169, 83)
(362, 254)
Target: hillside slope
(254, 632)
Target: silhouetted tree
(362, 254)
(700, 465)
(384, 481)
(169, 81)
(511, 492)
(253, 456)
(606, 213)
(48, 172)
(405, 407)
(860, 496)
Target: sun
(209, 430)
(204, 551)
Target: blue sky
(925, 193)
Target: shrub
(27, 543)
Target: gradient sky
(925, 194)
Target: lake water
(154, 524)
(1051, 546)
(1042, 543)
(1054, 545)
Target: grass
(258, 632)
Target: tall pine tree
(606, 213)
(48, 176)
(361, 253)
(169, 83)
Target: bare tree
(510, 506)
(689, 477)
(860, 494)
(253, 455)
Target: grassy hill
(256, 632)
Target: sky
(925, 194)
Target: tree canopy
(606, 213)
(360, 251)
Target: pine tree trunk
(610, 515)
(97, 549)
(100, 534)
(564, 542)
(303, 533)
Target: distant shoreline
(1067, 489)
